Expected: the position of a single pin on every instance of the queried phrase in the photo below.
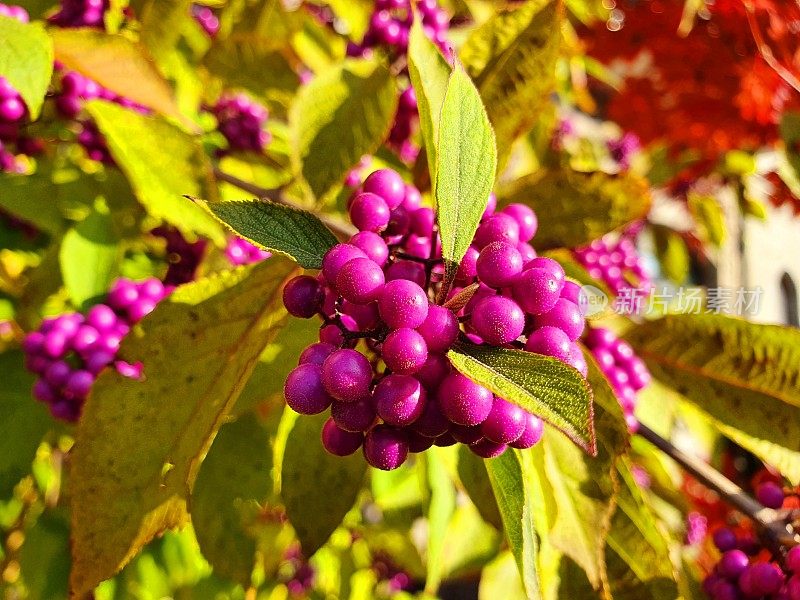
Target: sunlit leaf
(26, 60)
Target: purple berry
(466, 434)
(404, 351)
(761, 579)
(388, 185)
(551, 266)
(499, 264)
(498, 320)
(360, 281)
(770, 495)
(385, 447)
(525, 218)
(793, 560)
(566, 316)
(403, 303)
(302, 296)
(534, 429)
(316, 353)
(336, 258)
(536, 291)
(435, 369)
(418, 443)
(488, 449)
(369, 212)
(354, 416)
(463, 401)
(733, 563)
(421, 221)
(339, 442)
(372, 245)
(304, 391)
(431, 423)
(497, 228)
(347, 375)
(550, 341)
(468, 270)
(79, 384)
(724, 539)
(440, 329)
(505, 423)
(399, 399)
(491, 205)
(406, 269)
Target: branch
(343, 231)
(766, 51)
(771, 523)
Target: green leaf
(509, 474)
(44, 557)
(23, 422)
(254, 63)
(89, 257)
(318, 489)
(162, 164)
(355, 13)
(708, 213)
(33, 198)
(745, 376)
(541, 385)
(440, 511)
(473, 475)
(465, 168)
(139, 444)
(575, 208)
(673, 255)
(234, 480)
(26, 61)
(339, 117)
(500, 579)
(116, 63)
(429, 74)
(276, 227)
(512, 59)
(162, 24)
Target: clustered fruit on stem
(381, 363)
(615, 262)
(241, 120)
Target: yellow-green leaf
(140, 443)
(576, 208)
(708, 213)
(26, 61)
(162, 24)
(673, 255)
(441, 507)
(475, 479)
(512, 58)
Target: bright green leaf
(575, 208)
(355, 13)
(473, 475)
(511, 482)
(500, 579)
(440, 511)
(135, 458)
(673, 255)
(26, 60)
(116, 63)
(465, 168)
(23, 422)
(162, 23)
(89, 257)
(277, 227)
(512, 59)
(317, 488)
(541, 385)
(339, 117)
(429, 74)
(162, 163)
(234, 481)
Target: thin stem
(770, 522)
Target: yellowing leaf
(116, 63)
(139, 444)
(26, 60)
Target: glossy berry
(440, 329)
(404, 351)
(360, 281)
(302, 296)
(463, 401)
(770, 495)
(733, 563)
(724, 539)
(534, 429)
(399, 399)
(385, 447)
(336, 258)
(499, 264)
(498, 320)
(487, 448)
(372, 245)
(387, 184)
(525, 218)
(566, 316)
(550, 341)
(339, 442)
(304, 391)
(316, 353)
(347, 375)
(403, 303)
(497, 228)
(369, 212)
(431, 422)
(434, 370)
(505, 423)
(536, 291)
(354, 416)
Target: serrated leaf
(429, 74)
(162, 164)
(575, 208)
(465, 168)
(23, 422)
(234, 481)
(440, 511)
(26, 61)
(512, 59)
(116, 63)
(140, 443)
(745, 376)
(541, 385)
(511, 482)
(318, 489)
(672, 253)
(473, 475)
(89, 257)
(276, 227)
(339, 117)
(254, 63)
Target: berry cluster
(398, 392)
(206, 19)
(626, 372)
(297, 572)
(81, 13)
(12, 108)
(241, 252)
(69, 351)
(241, 120)
(614, 262)
(747, 570)
(390, 25)
(183, 256)
(405, 121)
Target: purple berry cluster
(380, 364)
(625, 371)
(183, 256)
(623, 149)
(241, 252)
(206, 19)
(746, 571)
(81, 13)
(13, 111)
(615, 262)
(299, 574)
(67, 352)
(241, 120)
(390, 25)
(405, 122)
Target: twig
(770, 522)
(342, 230)
(766, 51)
